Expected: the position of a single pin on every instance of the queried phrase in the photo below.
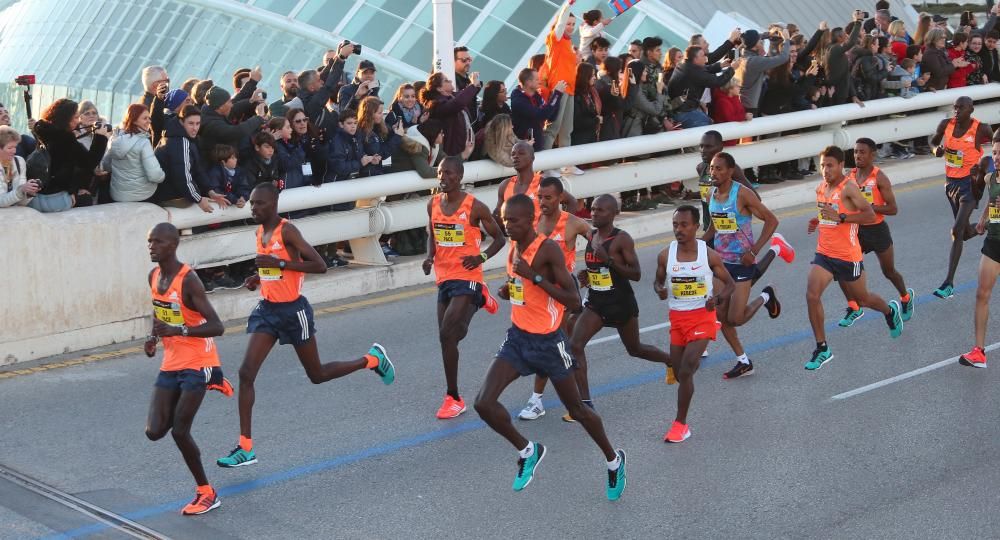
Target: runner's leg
(498, 377)
(569, 394)
(629, 334)
(320, 373)
(688, 358)
(187, 407)
(739, 312)
(988, 270)
(587, 325)
(257, 350)
(453, 325)
(887, 261)
(161, 412)
(859, 289)
(959, 234)
(762, 265)
(819, 279)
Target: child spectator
(592, 28)
(225, 181)
(346, 154)
(262, 166)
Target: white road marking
(907, 375)
(641, 331)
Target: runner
(689, 265)
(284, 316)
(186, 322)
(712, 144)
(453, 251)
(539, 289)
(527, 181)
(877, 190)
(562, 228)
(842, 208)
(989, 265)
(733, 207)
(960, 141)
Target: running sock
(588, 402)
(455, 396)
(775, 249)
(766, 297)
(853, 305)
(905, 298)
(205, 490)
(536, 397)
(372, 361)
(246, 443)
(615, 463)
(743, 359)
(528, 451)
(821, 345)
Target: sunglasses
(465, 60)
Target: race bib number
(449, 234)
(954, 159)
(599, 280)
(869, 194)
(269, 274)
(688, 287)
(994, 214)
(826, 222)
(516, 289)
(307, 169)
(168, 312)
(705, 190)
(725, 222)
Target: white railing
(363, 226)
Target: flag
(619, 6)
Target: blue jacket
(180, 160)
(233, 188)
(375, 145)
(531, 113)
(345, 157)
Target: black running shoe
(773, 305)
(739, 370)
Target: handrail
(408, 182)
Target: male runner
(186, 322)
(733, 207)
(562, 228)
(960, 141)
(690, 266)
(989, 265)
(711, 144)
(877, 190)
(284, 316)
(527, 181)
(539, 289)
(453, 251)
(842, 208)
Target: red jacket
(960, 76)
(727, 108)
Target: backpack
(38, 163)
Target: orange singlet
(532, 309)
(532, 192)
(559, 237)
(869, 188)
(837, 240)
(277, 285)
(961, 153)
(181, 352)
(454, 238)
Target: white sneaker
(572, 170)
(532, 411)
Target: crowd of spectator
(206, 145)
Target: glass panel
(531, 17)
(477, 3)
(415, 48)
(425, 18)
(649, 27)
(372, 27)
(281, 7)
(398, 7)
(462, 17)
(506, 47)
(325, 14)
(490, 70)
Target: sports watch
(843, 217)
(281, 265)
(538, 279)
(184, 331)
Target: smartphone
(373, 84)
(531, 133)
(731, 55)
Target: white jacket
(10, 195)
(135, 172)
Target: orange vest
(869, 188)
(181, 352)
(532, 309)
(560, 63)
(961, 153)
(277, 285)
(837, 240)
(559, 237)
(532, 192)
(454, 238)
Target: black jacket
(216, 129)
(180, 160)
(157, 121)
(868, 74)
(690, 80)
(256, 171)
(348, 99)
(71, 166)
(314, 103)
(461, 82)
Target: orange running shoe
(204, 501)
(974, 358)
(451, 407)
(491, 303)
(785, 250)
(225, 387)
(678, 433)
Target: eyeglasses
(300, 120)
(466, 60)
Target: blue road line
(465, 427)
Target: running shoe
(785, 250)
(384, 369)
(671, 376)
(491, 303)
(567, 418)
(946, 290)
(894, 319)
(851, 316)
(202, 503)
(237, 458)
(451, 407)
(678, 433)
(617, 478)
(974, 358)
(908, 306)
(773, 305)
(532, 411)
(224, 387)
(526, 467)
(819, 358)
(739, 370)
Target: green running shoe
(851, 316)
(894, 320)
(526, 467)
(946, 290)
(384, 369)
(908, 306)
(237, 458)
(617, 478)
(819, 358)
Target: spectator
(156, 84)
(216, 129)
(936, 60)
(303, 153)
(988, 56)
(599, 50)
(592, 28)
(905, 72)
(898, 40)
(727, 106)
(494, 102)
(784, 92)
(289, 90)
(225, 182)
(364, 84)
(15, 189)
(838, 68)
(973, 55)
(924, 23)
(420, 149)
(560, 67)
(262, 167)
(176, 100)
(201, 91)
(587, 109)
(957, 51)
(347, 157)
(670, 63)
(699, 40)
(405, 107)
(316, 89)
(536, 62)
(612, 105)
(180, 158)
(500, 140)
(754, 66)
(71, 165)
(376, 138)
(690, 80)
(451, 109)
(652, 54)
(529, 110)
(90, 119)
(640, 107)
(135, 172)
(27, 144)
(867, 70)
(879, 23)
(463, 78)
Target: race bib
(869, 194)
(168, 312)
(307, 169)
(705, 190)
(725, 222)
(954, 159)
(599, 280)
(688, 287)
(826, 222)
(516, 289)
(449, 234)
(269, 274)
(994, 215)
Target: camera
(263, 95)
(731, 55)
(865, 15)
(357, 49)
(24, 80)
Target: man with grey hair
(156, 84)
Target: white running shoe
(532, 411)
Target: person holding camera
(754, 66)
(156, 83)
(317, 87)
(365, 84)
(27, 144)
(15, 188)
(70, 165)
(135, 172)
(838, 67)
(689, 81)
(216, 127)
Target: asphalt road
(771, 456)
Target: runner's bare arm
(721, 274)
(661, 275)
(938, 137)
(496, 211)
(623, 257)
(311, 262)
(985, 134)
(853, 196)
(481, 216)
(756, 208)
(149, 347)
(428, 263)
(196, 299)
(740, 177)
(551, 265)
(568, 201)
(885, 188)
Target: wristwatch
(538, 279)
(184, 331)
(484, 256)
(281, 265)
(843, 217)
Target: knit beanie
(175, 98)
(216, 97)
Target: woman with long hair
(923, 27)
(303, 154)
(405, 107)
(440, 99)
(500, 140)
(420, 149)
(494, 102)
(71, 164)
(135, 172)
(375, 136)
(612, 103)
(587, 106)
(670, 61)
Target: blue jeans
(693, 118)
